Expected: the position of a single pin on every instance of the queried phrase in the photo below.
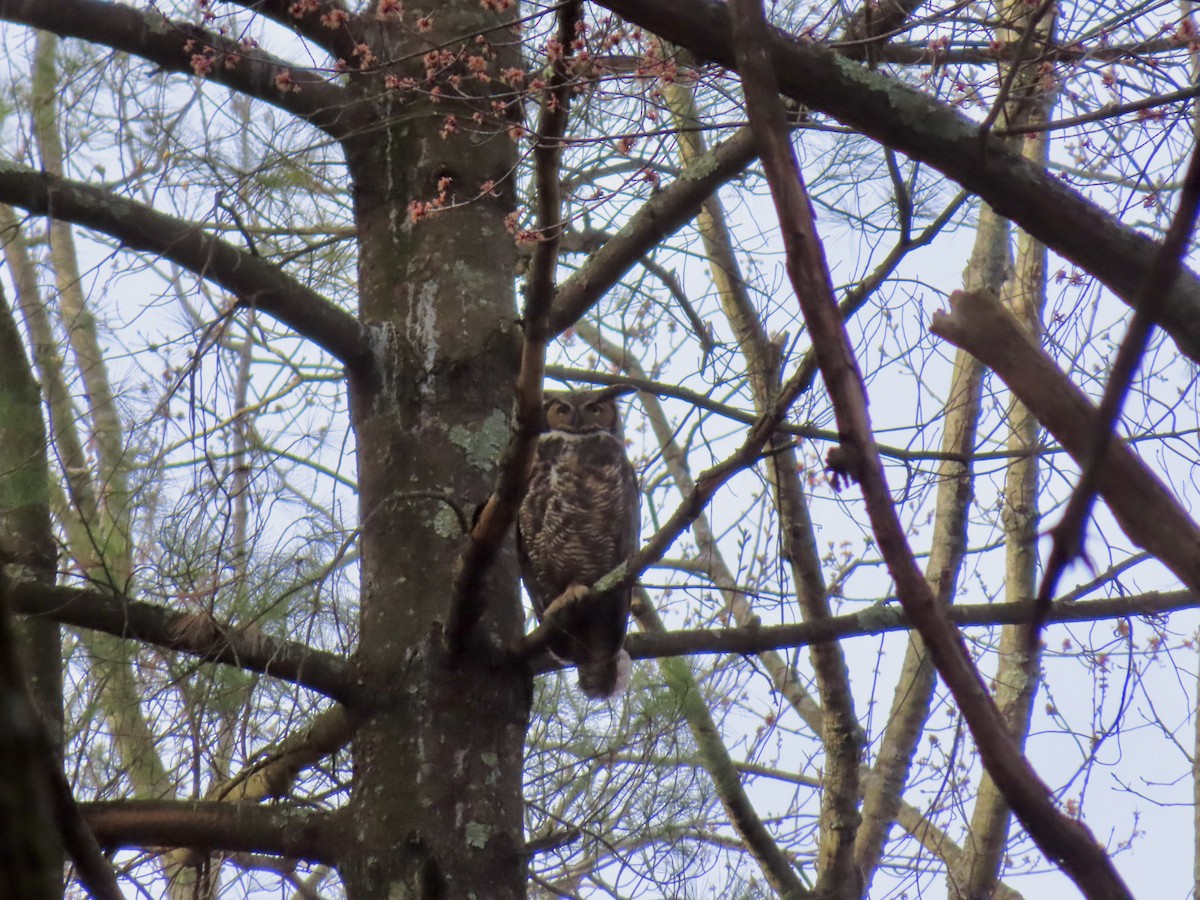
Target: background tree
(284, 278)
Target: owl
(579, 520)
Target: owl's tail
(604, 678)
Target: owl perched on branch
(579, 520)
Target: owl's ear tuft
(616, 390)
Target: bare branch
(660, 216)
(1062, 838)
(273, 776)
(282, 829)
(326, 23)
(187, 48)
(1069, 532)
(192, 633)
(775, 865)
(839, 731)
(1141, 504)
(925, 129)
(881, 619)
(254, 282)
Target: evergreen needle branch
(1063, 839)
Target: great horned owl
(578, 521)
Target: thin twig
(1063, 839)
(1069, 532)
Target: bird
(580, 518)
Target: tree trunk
(436, 808)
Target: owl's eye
(595, 410)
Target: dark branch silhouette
(1070, 529)
(189, 49)
(1144, 508)
(922, 127)
(197, 634)
(253, 281)
(1064, 840)
(282, 829)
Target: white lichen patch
(478, 834)
(420, 327)
(446, 524)
(485, 444)
(877, 617)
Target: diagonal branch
(660, 216)
(1063, 839)
(775, 865)
(195, 634)
(1143, 507)
(187, 48)
(273, 775)
(1069, 532)
(254, 282)
(839, 731)
(925, 129)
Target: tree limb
(660, 216)
(273, 774)
(1069, 531)
(253, 281)
(1063, 839)
(187, 48)
(1143, 507)
(920, 126)
(775, 865)
(285, 830)
(197, 634)
(315, 22)
(880, 619)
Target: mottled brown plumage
(578, 521)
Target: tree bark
(436, 809)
